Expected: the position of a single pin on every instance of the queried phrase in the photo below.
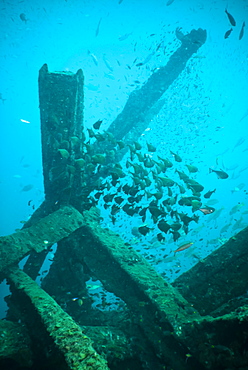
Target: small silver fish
(94, 58)
(124, 37)
(98, 27)
(107, 64)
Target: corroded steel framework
(194, 323)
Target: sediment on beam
(111, 342)
(41, 236)
(220, 342)
(218, 278)
(68, 337)
(157, 306)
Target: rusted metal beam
(68, 337)
(220, 342)
(41, 236)
(132, 119)
(61, 112)
(218, 278)
(158, 307)
(15, 344)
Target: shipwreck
(200, 321)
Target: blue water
(204, 117)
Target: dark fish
(117, 173)
(136, 199)
(98, 195)
(98, 27)
(176, 157)
(163, 226)
(181, 189)
(241, 34)
(23, 17)
(160, 237)
(121, 144)
(195, 187)
(227, 34)
(164, 181)
(132, 148)
(186, 219)
(166, 162)
(176, 226)
(91, 132)
(156, 212)
(144, 230)
(100, 137)
(231, 19)
(139, 64)
(138, 169)
(130, 210)
(182, 176)
(97, 124)
(191, 168)
(27, 187)
(110, 137)
(158, 46)
(126, 188)
(148, 162)
(147, 181)
(98, 159)
(108, 197)
(113, 219)
(137, 145)
(118, 200)
(115, 209)
(187, 201)
(158, 195)
(176, 235)
(143, 213)
(196, 204)
(150, 147)
(137, 180)
(160, 167)
(209, 193)
(220, 174)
